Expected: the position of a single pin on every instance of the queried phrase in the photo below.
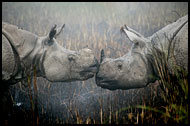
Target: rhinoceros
(23, 52)
(137, 69)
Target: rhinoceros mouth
(108, 84)
(86, 75)
(105, 82)
(89, 72)
(91, 69)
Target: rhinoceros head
(129, 71)
(60, 64)
(137, 68)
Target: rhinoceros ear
(52, 32)
(102, 56)
(59, 30)
(133, 36)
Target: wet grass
(172, 110)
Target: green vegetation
(174, 86)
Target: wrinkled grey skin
(23, 51)
(136, 69)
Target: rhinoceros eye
(137, 43)
(119, 66)
(71, 58)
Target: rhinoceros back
(177, 49)
(179, 55)
(23, 41)
(17, 45)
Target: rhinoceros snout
(100, 79)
